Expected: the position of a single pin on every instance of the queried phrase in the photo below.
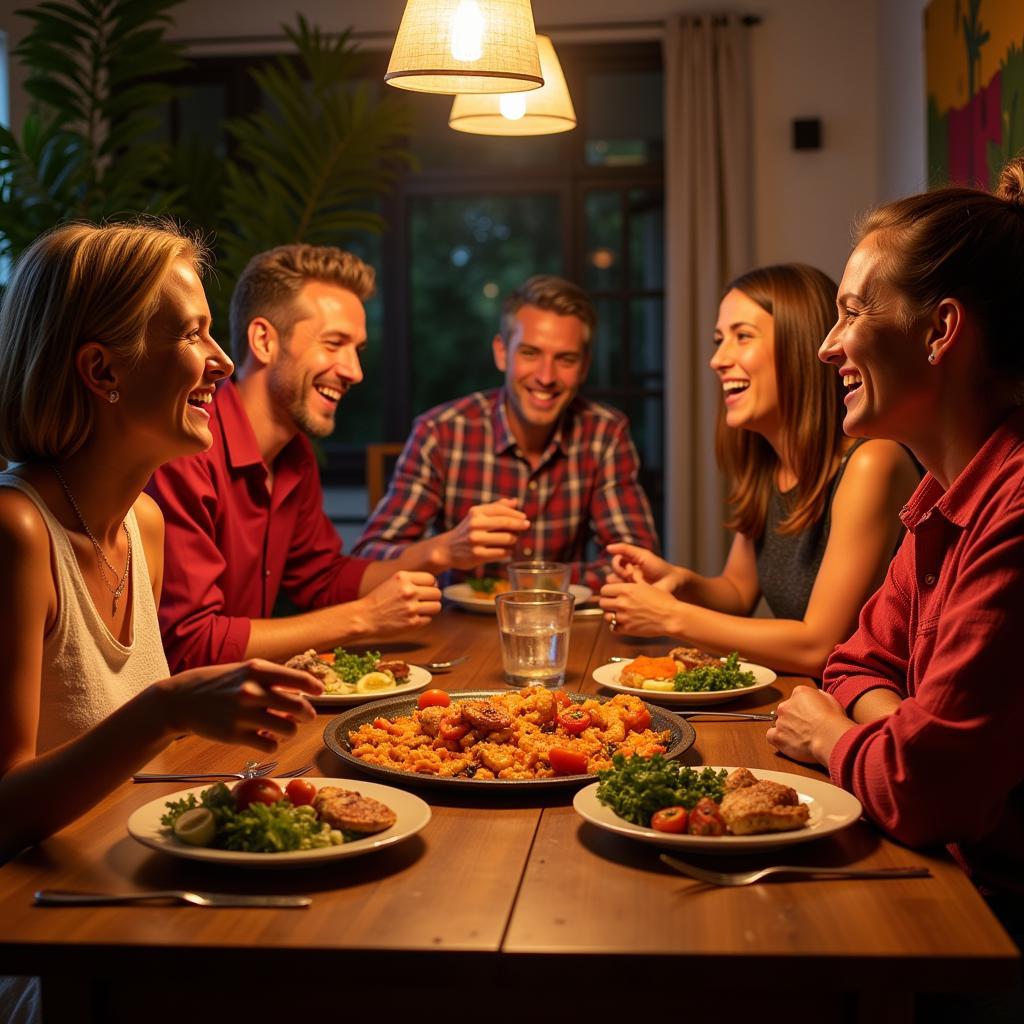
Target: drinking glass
(538, 575)
(534, 627)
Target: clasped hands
(637, 597)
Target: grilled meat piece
(692, 657)
(763, 807)
(399, 669)
(309, 661)
(484, 716)
(351, 811)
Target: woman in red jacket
(922, 715)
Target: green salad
(350, 668)
(635, 787)
(259, 828)
(727, 676)
(484, 584)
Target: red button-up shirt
(463, 453)
(231, 545)
(944, 632)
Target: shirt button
(929, 578)
(533, 485)
(527, 551)
(267, 572)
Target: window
(479, 216)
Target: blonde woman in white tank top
(107, 365)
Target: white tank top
(87, 672)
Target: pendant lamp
(466, 46)
(543, 112)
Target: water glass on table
(534, 627)
(538, 575)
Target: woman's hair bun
(1011, 181)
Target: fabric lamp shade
(466, 46)
(543, 112)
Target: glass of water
(538, 575)
(534, 626)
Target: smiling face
(545, 362)
(168, 392)
(311, 370)
(744, 360)
(883, 362)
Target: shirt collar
(241, 449)
(240, 445)
(566, 433)
(959, 502)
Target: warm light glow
(512, 106)
(543, 112)
(466, 46)
(467, 32)
(603, 259)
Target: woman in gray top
(815, 515)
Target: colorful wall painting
(974, 61)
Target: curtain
(709, 232)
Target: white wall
(856, 65)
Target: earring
(113, 396)
(931, 359)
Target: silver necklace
(119, 583)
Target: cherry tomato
(574, 720)
(562, 699)
(256, 791)
(637, 721)
(300, 792)
(567, 762)
(705, 819)
(433, 699)
(670, 819)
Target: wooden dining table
(507, 905)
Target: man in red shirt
(567, 463)
(245, 520)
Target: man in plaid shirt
(530, 470)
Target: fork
(444, 666)
(251, 770)
(295, 772)
(749, 877)
(59, 897)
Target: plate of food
(520, 739)
(713, 810)
(685, 675)
(257, 824)
(477, 595)
(351, 678)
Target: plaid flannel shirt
(463, 453)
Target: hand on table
(808, 725)
(640, 609)
(487, 534)
(254, 702)
(402, 601)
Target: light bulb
(512, 105)
(467, 31)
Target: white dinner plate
(463, 596)
(418, 678)
(608, 675)
(413, 814)
(831, 809)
